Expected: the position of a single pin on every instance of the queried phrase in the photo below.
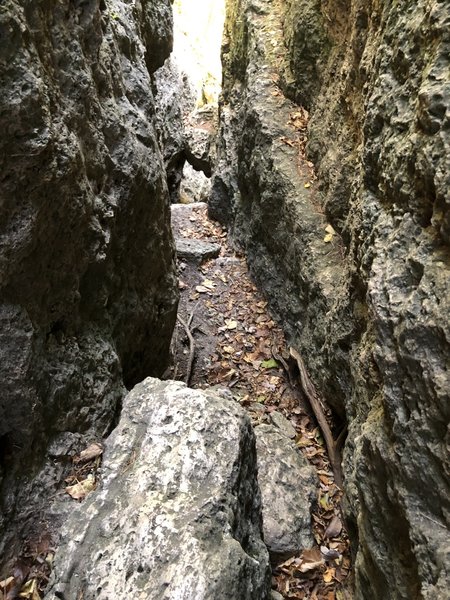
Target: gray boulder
(196, 250)
(178, 512)
(195, 186)
(288, 487)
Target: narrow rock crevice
(324, 165)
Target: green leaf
(269, 364)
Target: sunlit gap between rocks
(198, 27)
(196, 58)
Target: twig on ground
(191, 316)
(173, 354)
(294, 386)
(314, 400)
(191, 347)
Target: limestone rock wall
(368, 308)
(88, 292)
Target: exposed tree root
(191, 347)
(333, 446)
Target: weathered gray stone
(178, 510)
(174, 99)
(195, 186)
(186, 134)
(289, 488)
(224, 186)
(201, 132)
(196, 250)
(368, 308)
(283, 424)
(88, 290)
(198, 151)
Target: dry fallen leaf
(334, 528)
(311, 559)
(228, 349)
(80, 490)
(310, 566)
(6, 583)
(325, 503)
(325, 479)
(92, 451)
(30, 590)
(330, 234)
(328, 575)
(287, 141)
(329, 553)
(207, 283)
(271, 363)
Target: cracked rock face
(88, 292)
(368, 309)
(178, 512)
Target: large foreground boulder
(178, 513)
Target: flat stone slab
(177, 514)
(289, 488)
(196, 251)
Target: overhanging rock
(178, 512)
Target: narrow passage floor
(225, 336)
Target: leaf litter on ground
(31, 569)
(246, 342)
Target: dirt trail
(238, 346)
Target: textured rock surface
(195, 186)
(196, 250)
(175, 99)
(185, 133)
(178, 514)
(262, 189)
(88, 292)
(288, 488)
(369, 309)
(283, 424)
